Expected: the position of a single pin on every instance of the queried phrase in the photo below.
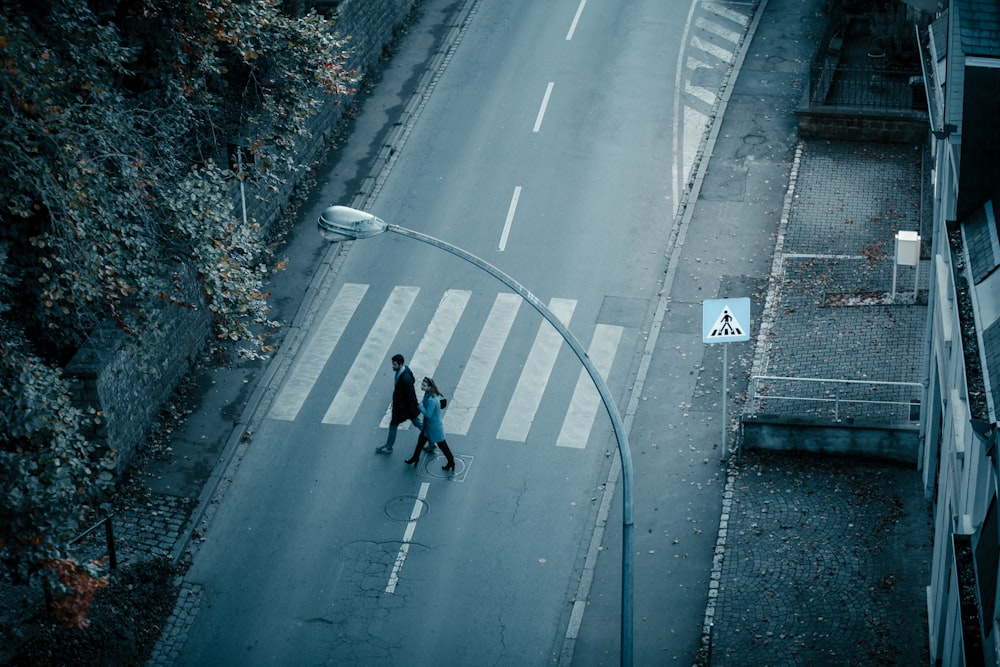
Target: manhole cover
(400, 508)
(434, 467)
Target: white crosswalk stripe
(306, 370)
(475, 377)
(431, 348)
(717, 30)
(359, 379)
(537, 369)
(722, 53)
(722, 12)
(476, 383)
(583, 408)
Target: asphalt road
(555, 144)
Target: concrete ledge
(851, 124)
(894, 442)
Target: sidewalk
(825, 560)
(809, 559)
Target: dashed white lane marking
(404, 548)
(510, 218)
(543, 107)
(576, 19)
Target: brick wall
(129, 378)
(842, 124)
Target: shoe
(413, 461)
(450, 466)
(384, 450)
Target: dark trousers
(443, 445)
(390, 439)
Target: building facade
(961, 54)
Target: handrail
(109, 537)
(755, 395)
(837, 380)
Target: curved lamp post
(342, 223)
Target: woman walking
(433, 430)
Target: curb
(760, 357)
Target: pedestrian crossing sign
(726, 320)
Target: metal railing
(870, 400)
(841, 77)
(109, 537)
(109, 543)
(878, 88)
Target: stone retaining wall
(129, 378)
(372, 26)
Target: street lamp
(342, 223)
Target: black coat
(404, 397)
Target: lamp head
(343, 223)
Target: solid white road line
(359, 378)
(472, 385)
(527, 395)
(306, 370)
(583, 408)
(678, 154)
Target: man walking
(404, 402)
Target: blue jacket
(430, 407)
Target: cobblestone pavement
(826, 563)
(833, 312)
(824, 560)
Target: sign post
(725, 321)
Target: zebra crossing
(716, 32)
(370, 358)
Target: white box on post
(907, 254)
